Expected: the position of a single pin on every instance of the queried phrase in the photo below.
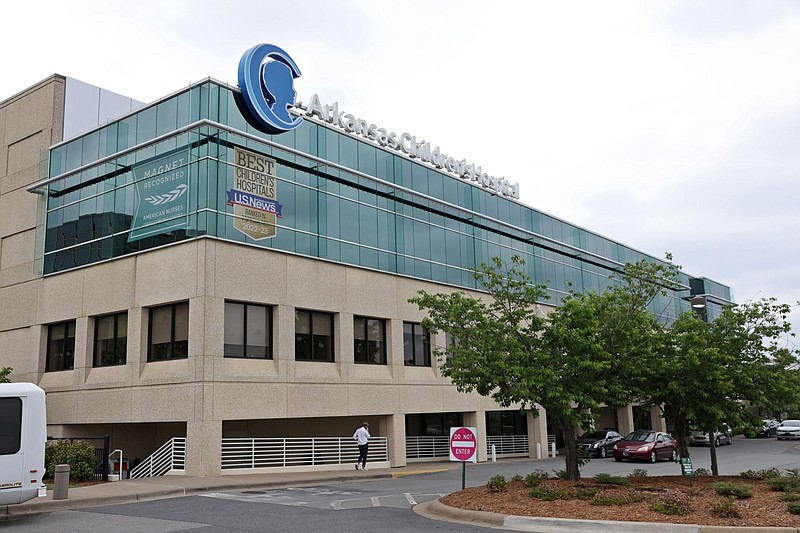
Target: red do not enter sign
(463, 444)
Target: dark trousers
(362, 454)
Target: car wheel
(716, 442)
(653, 456)
(674, 456)
(730, 440)
(618, 459)
(603, 452)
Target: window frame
(65, 356)
(331, 356)
(97, 358)
(426, 346)
(244, 324)
(366, 340)
(172, 342)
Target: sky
(669, 126)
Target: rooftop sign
(266, 78)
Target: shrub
(497, 484)
(737, 490)
(702, 472)
(784, 484)
(794, 507)
(726, 508)
(608, 479)
(79, 455)
(789, 497)
(671, 503)
(548, 495)
(516, 477)
(586, 493)
(638, 472)
(561, 474)
(769, 473)
(535, 478)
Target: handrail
(169, 457)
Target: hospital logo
(266, 78)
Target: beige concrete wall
(30, 122)
(197, 394)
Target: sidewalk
(133, 490)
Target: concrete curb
(436, 510)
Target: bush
(726, 508)
(516, 477)
(702, 472)
(535, 478)
(586, 493)
(497, 484)
(608, 479)
(737, 490)
(638, 472)
(79, 455)
(548, 495)
(784, 484)
(671, 503)
(794, 507)
(789, 497)
(561, 474)
(769, 473)
(631, 497)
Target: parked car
(769, 428)
(599, 443)
(789, 429)
(700, 438)
(647, 446)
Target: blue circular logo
(266, 78)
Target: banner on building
(162, 196)
(254, 194)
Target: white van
(23, 434)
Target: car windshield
(792, 423)
(641, 437)
(595, 435)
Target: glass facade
(172, 171)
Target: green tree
(4, 372)
(703, 374)
(574, 360)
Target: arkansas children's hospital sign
(266, 79)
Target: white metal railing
(297, 451)
(508, 444)
(171, 457)
(423, 446)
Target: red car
(646, 446)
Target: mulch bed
(762, 509)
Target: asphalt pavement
(136, 490)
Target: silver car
(700, 438)
(789, 429)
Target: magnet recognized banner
(254, 194)
(162, 196)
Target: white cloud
(668, 126)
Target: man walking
(361, 436)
